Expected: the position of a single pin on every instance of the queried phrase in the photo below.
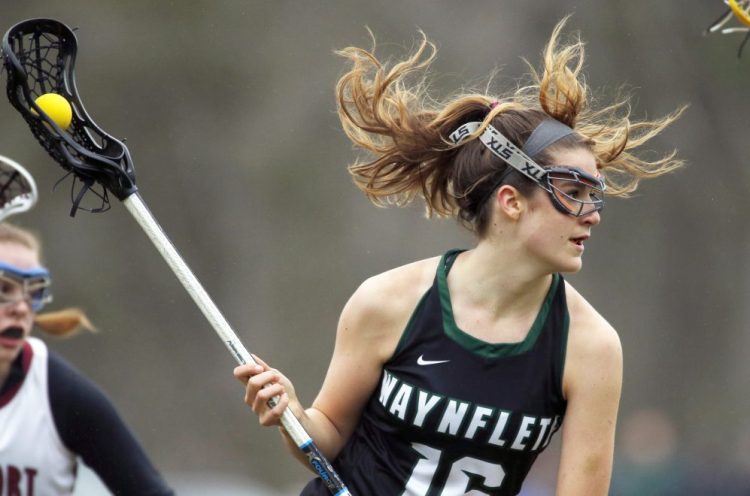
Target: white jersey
(33, 459)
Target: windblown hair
(406, 132)
(61, 323)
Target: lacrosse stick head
(39, 57)
(738, 11)
(17, 188)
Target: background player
(49, 412)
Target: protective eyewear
(30, 285)
(572, 191)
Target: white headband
(502, 147)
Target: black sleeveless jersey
(454, 414)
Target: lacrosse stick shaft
(291, 424)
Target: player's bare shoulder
(593, 344)
(585, 320)
(381, 306)
(397, 290)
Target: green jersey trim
(410, 325)
(475, 345)
(564, 350)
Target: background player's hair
(62, 323)
(387, 112)
(10, 233)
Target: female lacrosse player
(50, 414)
(450, 375)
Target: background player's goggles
(30, 285)
(573, 191)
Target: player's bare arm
(592, 383)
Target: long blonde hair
(406, 132)
(62, 323)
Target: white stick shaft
(153, 230)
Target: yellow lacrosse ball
(57, 108)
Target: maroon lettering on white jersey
(33, 458)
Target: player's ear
(509, 202)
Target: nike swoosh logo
(422, 361)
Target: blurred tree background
(229, 113)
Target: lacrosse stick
(736, 9)
(40, 58)
(17, 188)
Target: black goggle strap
(503, 148)
(546, 134)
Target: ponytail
(387, 113)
